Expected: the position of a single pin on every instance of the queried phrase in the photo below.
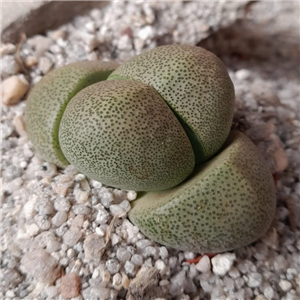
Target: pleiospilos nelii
(145, 128)
(48, 99)
(124, 134)
(228, 203)
(196, 86)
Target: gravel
(64, 235)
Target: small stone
(31, 61)
(80, 209)
(178, 282)
(102, 216)
(129, 267)
(255, 280)
(142, 244)
(137, 259)
(146, 32)
(229, 283)
(115, 239)
(62, 204)
(222, 263)
(72, 236)
(32, 229)
(125, 205)
(280, 263)
(269, 293)
(13, 89)
(20, 126)
(106, 197)
(204, 264)
(163, 252)
(51, 292)
(131, 195)
(9, 66)
(93, 246)
(45, 64)
(150, 251)
(123, 255)
(113, 266)
(7, 49)
(61, 189)
(270, 238)
(242, 74)
(124, 43)
(40, 44)
(285, 285)
(41, 265)
(161, 267)
(44, 207)
(81, 196)
(117, 210)
(117, 281)
(78, 221)
(70, 285)
(43, 222)
(59, 218)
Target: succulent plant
(48, 99)
(228, 202)
(145, 126)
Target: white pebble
(204, 264)
(115, 239)
(269, 292)
(161, 266)
(137, 259)
(255, 280)
(59, 218)
(123, 255)
(285, 285)
(131, 195)
(242, 74)
(13, 89)
(163, 252)
(81, 196)
(72, 236)
(62, 204)
(102, 216)
(116, 210)
(129, 267)
(45, 64)
(222, 263)
(113, 266)
(125, 205)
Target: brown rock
(70, 285)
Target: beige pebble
(31, 61)
(125, 281)
(7, 49)
(70, 285)
(20, 126)
(61, 189)
(13, 89)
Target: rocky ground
(66, 236)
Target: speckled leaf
(123, 134)
(227, 203)
(195, 84)
(48, 99)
